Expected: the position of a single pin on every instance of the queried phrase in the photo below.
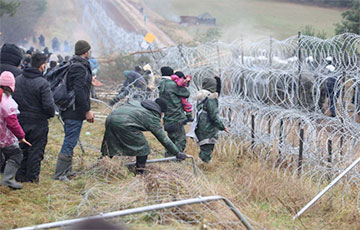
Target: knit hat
(166, 71)
(180, 74)
(82, 47)
(210, 84)
(7, 79)
(162, 103)
(10, 54)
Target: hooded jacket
(34, 97)
(124, 127)
(79, 80)
(209, 122)
(172, 93)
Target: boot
(9, 173)
(140, 168)
(63, 165)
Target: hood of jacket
(151, 105)
(202, 94)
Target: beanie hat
(180, 74)
(7, 79)
(10, 54)
(82, 47)
(210, 84)
(166, 71)
(162, 103)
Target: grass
(268, 197)
(251, 18)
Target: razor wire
(275, 101)
(274, 90)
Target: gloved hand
(181, 156)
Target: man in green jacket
(175, 118)
(207, 122)
(124, 127)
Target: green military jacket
(124, 127)
(209, 122)
(171, 92)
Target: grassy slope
(252, 18)
(268, 197)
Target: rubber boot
(9, 174)
(140, 168)
(63, 166)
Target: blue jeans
(72, 130)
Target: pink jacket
(10, 129)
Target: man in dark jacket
(124, 126)
(10, 59)
(36, 105)
(78, 79)
(175, 117)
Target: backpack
(57, 78)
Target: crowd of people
(28, 100)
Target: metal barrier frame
(132, 211)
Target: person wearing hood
(124, 126)
(207, 123)
(10, 59)
(175, 118)
(36, 105)
(78, 80)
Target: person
(10, 59)
(175, 117)
(55, 44)
(36, 105)
(331, 86)
(124, 126)
(183, 81)
(132, 78)
(53, 62)
(11, 132)
(41, 40)
(207, 122)
(79, 80)
(94, 71)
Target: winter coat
(10, 129)
(124, 127)
(79, 80)
(209, 122)
(16, 71)
(172, 93)
(34, 97)
(134, 78)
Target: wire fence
(291, 103)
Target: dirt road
(134, 17)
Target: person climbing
(124, 129)
(11, 132)
(183, 81)
(132, 79)
(207, 123)
(175, 118)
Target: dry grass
(269, 198)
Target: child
(11, 132)
(183, 81)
